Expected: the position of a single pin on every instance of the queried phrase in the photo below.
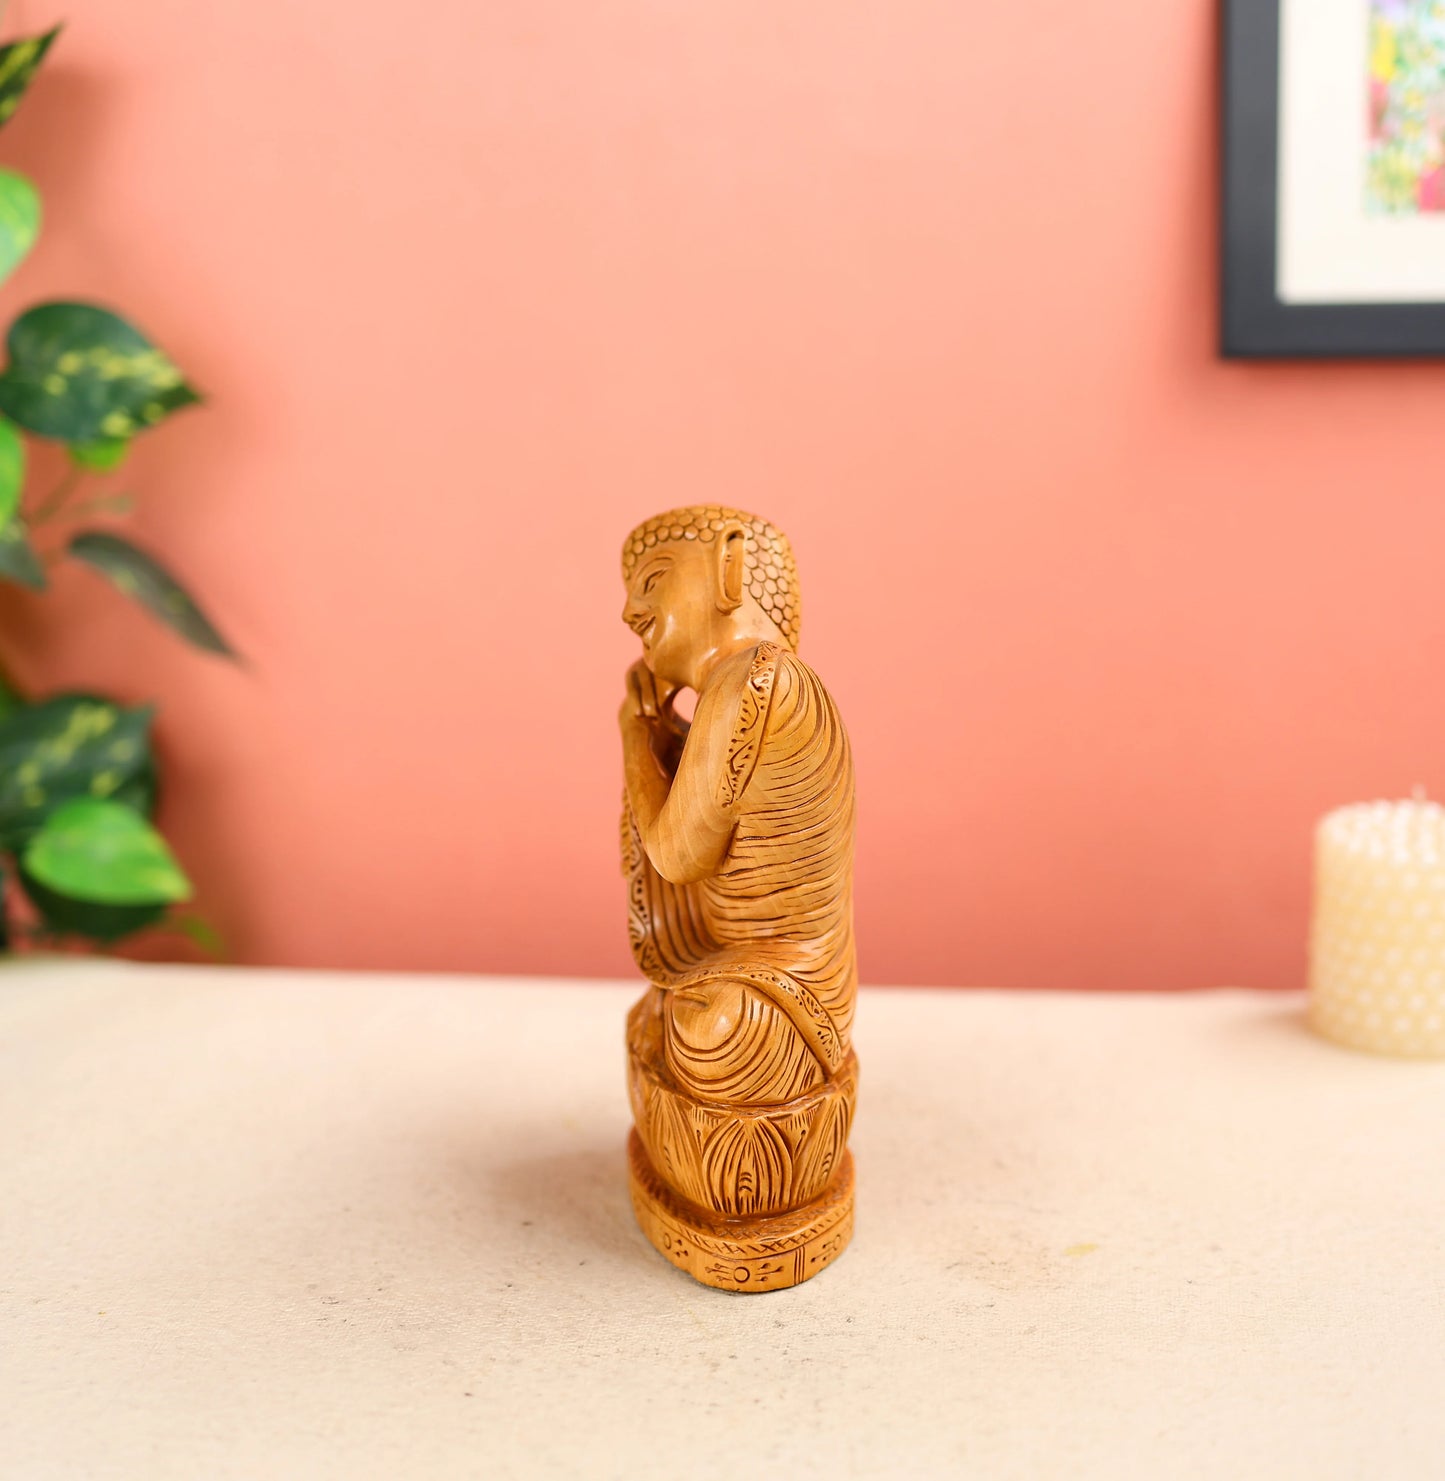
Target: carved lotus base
(757, 1253)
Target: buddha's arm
(684, 826)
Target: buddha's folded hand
(647, 697)
(647, 714)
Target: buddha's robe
(752, 967)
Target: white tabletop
(265, 1224)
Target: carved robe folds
(741, 1073)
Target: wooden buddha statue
(737, 845)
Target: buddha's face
(672, 605)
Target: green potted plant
(78, 776)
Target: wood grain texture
(737, 847)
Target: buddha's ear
(732, 549)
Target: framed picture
(1333, 231)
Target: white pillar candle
(1377, 948)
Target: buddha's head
(702, 580)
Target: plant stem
(103, 504)
(51, 505)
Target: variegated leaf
(12, 469)
(19, 220)
(143, 578)
(80, 374)
(101, 851)
(19, 62)
(18, 560)
(74, 745)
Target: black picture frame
(1254, 323)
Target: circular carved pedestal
(756, 1254)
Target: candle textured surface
(1377, 953)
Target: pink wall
(475, 287)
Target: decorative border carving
(742, 1255)
(747, 738)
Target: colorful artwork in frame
(1407, 107)
(1333, 186)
